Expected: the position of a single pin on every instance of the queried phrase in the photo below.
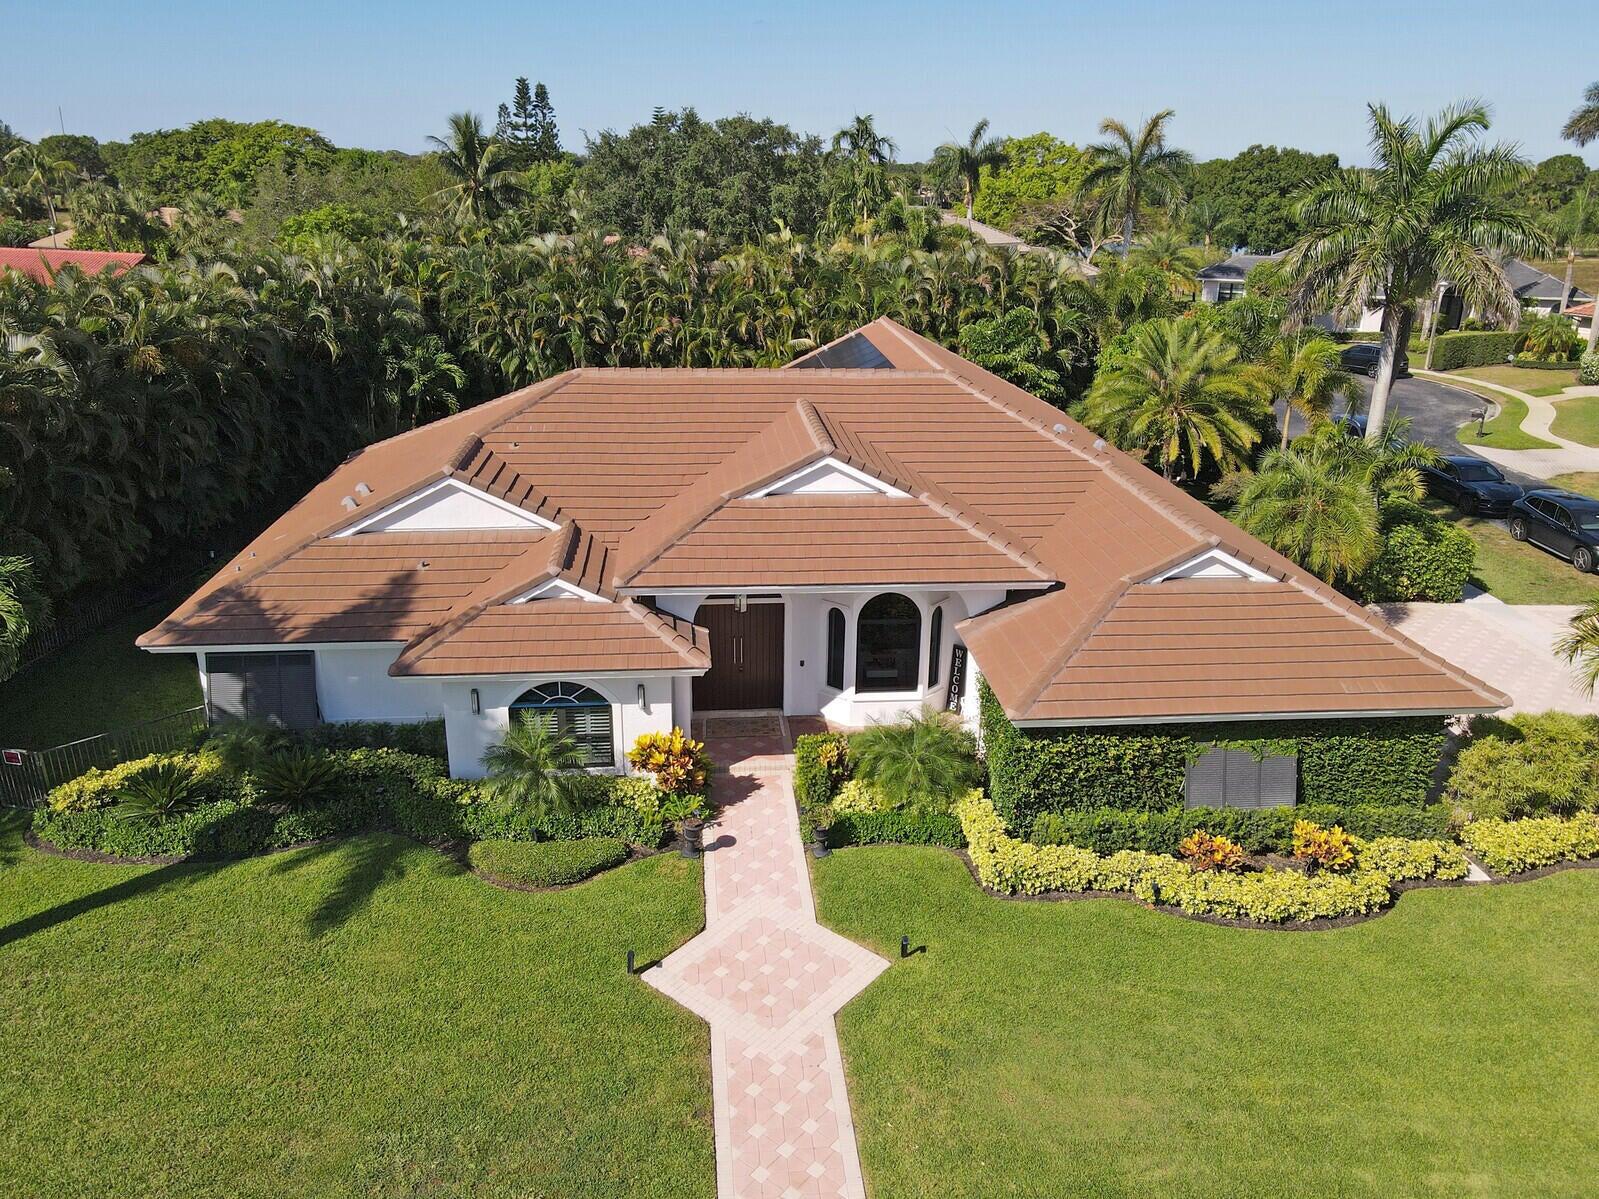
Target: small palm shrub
(296, 779)
(1549, 338)
(534, 773)
(926, 758)
(244, 745)
(675, 760)
(1203, 851)
(163, 790)
(1323, 848)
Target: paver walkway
(1567, 457)
(769, 979)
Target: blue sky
(385, 75)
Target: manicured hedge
(903, 826)
(1455, 350)
(1141, 767)
(1269, 830)
(1402, 859)
(378, 788)
(815, 781)
(413, 737)
(1588, 369)
(1424, 557)
(545, 863)
(1511, 846)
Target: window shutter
(1234, 778)
(1205, 784)
(225, 686)
(280, 687)
(296, 701)
(1242, 786)
(1279, 781)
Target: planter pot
(691, 838)
(819, 843)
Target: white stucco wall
(355, 684)
(470, 734)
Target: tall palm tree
(482, 174)
(860, 141)
(1583, 126)
(39, 170)
(1306, 505)
(1307, 377)
(1434, 206)
(1133, 170)
(533, 772)
(21, 610)
(968, 160)
(1580, 646)
(1181, 392)
(1207, 219)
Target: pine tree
(502, 125)
(544, 134)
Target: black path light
(630, 959)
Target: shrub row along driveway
(358, 1019)
(1095, 1048)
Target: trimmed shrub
(1588, 371)
(903, 826)
(1530, 763)
(1324, 848)
(821, 767)
(674, 760)
(1206, 851)
(858, 795)
(1260, 830)
(1511, 846)
(1423, 557)
(1455, 350)
(1401, 859)
(1142, 767)
(546, 863)
(424, 737)
(97, 788)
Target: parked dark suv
(1362, 359)
(1475, 486)
(1561, 522)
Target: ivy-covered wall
(1382, 760)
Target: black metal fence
(26, 776)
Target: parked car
(1561, 522)
(1353, 423)
(1473, 485)
(1362, 359)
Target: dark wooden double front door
(746, 658)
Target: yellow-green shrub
(1328, 848)
(1511, 846)
(857, 796)
(1402, 859)
(1272, 895)
(97, 788)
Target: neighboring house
(863, 532)
(42, 265)
(1538, 291)
(1582, 314)
(987, 234)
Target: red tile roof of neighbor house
(647, 477)
(1581, 311)
(42, 265)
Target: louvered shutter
(1205, 785)
(225, 686)
(1279, 781)
(279, 687)
(296, 699)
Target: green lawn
(1582, 482)
(1530, 380)
(362, 1019)
(1504, 430)
(1516, 572)
(96, 685)
(1577, 420)
(1097, 1048)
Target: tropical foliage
(1135, 172)
(967, 160)
(1580, 646)
(926, 758)
(534, 772)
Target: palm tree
(860, 141)
(1169, 253)
(968, 160)
(21, 610)
(1583, 126)
(1207, 219)
(533, 772)
(482, 173)
(1182, 392)
(1132, 170)
(1307, 506)
(925, 758)
(1307, 377)
(1580, 646)
(41, 171)
(1434, 206)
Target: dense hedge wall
(1455, 350)
(901, 826)
(1109, 830)
(545, 863)
(413, 737)
(377, 788)
(1141, 767)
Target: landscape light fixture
(477, 704)
(643, 700)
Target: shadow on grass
(366, 863)
(154, 879)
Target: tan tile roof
(644, 471)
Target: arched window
(580, 712)
(935, 643)
(835, 649)
(888, 642)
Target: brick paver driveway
(769, 979)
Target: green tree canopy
(1037, 170)
(1247, 200)
(219, 157)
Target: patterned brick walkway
(769, 979)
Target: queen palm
(1306, 505)
(968, 160)
(39, 170)
(483, 176)
(1580, 646)
(1307, 377)
(1181, 393)
(1434, 206)
(1583, 126)
(1132, 170)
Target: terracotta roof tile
(42, 265)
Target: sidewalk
(1569, 456)
(769, 979)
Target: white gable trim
(827, 476)
(1213, 564)
(446, 506)
(557, 589)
